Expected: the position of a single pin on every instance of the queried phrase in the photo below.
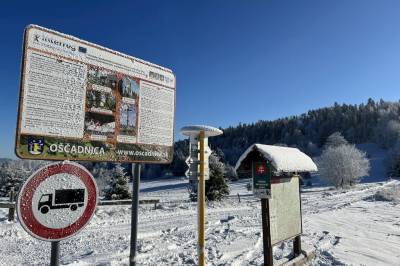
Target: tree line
(374, 121)
(377, 122)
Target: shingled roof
(283, 159)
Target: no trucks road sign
(57, 201)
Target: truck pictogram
(62, 199)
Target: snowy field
(352, 227)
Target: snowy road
(347, 228)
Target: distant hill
(376, 122)
(373, 122)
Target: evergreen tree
(118, 185)
(216, 186)
(10, 177)
(220, 154)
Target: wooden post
(11, 210)
(297, 246)
(268, 256)
(297, 239)
(238, 196)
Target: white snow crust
(346, 227)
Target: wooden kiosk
(274, 171)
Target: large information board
(285, 213)
(81, 101)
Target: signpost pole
(201, 203)
(135, 207)
(268, 258)
(297, 246)
(200, 132)
(55, 253)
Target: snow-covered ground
(346, 227)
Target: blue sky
(235, 61)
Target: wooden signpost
(275, 182)
(261, 175)
(198, 156)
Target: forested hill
(367, 122)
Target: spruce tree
(118, 185)
(9, 178)
(216, 186)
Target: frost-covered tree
(10, 177)
(216, 186)
(103, 175)
(117, 187)
(334, 140)
(343, 165)
(230, 172)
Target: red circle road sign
(57, 201)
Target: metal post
(11, 211)
(55, 253)
(135, 207)
(268, 256)
(201, 203)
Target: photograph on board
(128, 88)
(99, 124)
(100, 100)
(127, 119)
(102, 77)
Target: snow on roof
(284, 159)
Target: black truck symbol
(62, 199)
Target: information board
(285, 213)
(81, 101)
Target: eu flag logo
(82, 49)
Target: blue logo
(35, 146)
